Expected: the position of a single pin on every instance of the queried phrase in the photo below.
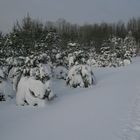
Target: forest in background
(30, 34)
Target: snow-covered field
(110, 110)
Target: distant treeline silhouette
(30, 31)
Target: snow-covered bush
(80, 73)
(71, 59)
(34, 88)
(130, 45)
(14, 76)
(15, 68)
(30, 77)
(33, 92)
(117, 51)
(92, 62)
(80, 76)
(77, 57)
(6, 90)
(60, 72)
(61, 59)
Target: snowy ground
(108, 111)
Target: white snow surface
(110, 110)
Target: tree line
(95, 34)
(31, 34)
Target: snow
(2, 75)
(72, 44)
(58, 55)
(6, 89)
(71, 60)
(80, 76)
(92, 62)
(110, 110)
(126, 62)
(60, 72)
(14, 76)
(32, 92)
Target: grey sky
(75, 11)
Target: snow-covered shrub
(77, 57)
(43, 58)
(126, 62)
(80, 76)
(30, 77)
(71, 59)
(14, 76)
(61, 59)
(33, 92)
(3, 73)
(91, 62)
(116, 51)
(92, 58)
(104, 59)
(130, 45)
(6, 90)
(15, 68)
(34, 87)
(60, 72)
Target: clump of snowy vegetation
(31, 79)
(6, 90)
(77, 57)
(60, 72)
(33, 92)
(115, 52)
(80, 76)
(34, 85)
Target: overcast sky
(75, 11)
